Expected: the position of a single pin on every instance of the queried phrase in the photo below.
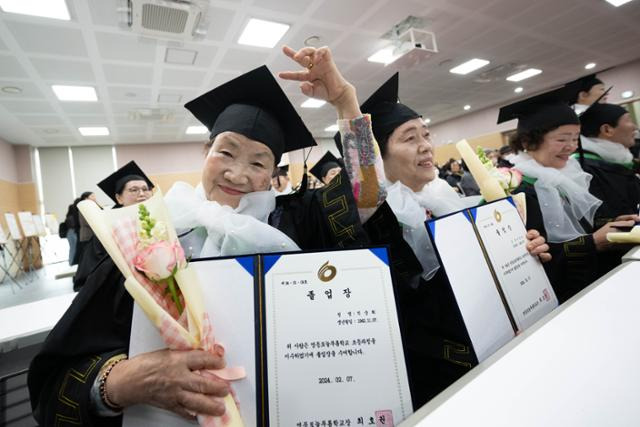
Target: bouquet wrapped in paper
(143, 244)
(494, 183)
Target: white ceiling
(557, 36)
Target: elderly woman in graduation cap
(252, 124)
(437, 347)
(557, 189)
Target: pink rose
(159, 260)
(513, 177)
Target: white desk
(576, 367)
(27, 324)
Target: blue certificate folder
(317, 333)
(499, 287)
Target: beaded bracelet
(103, 382)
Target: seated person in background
(126, 186)
(327, 168)
(506, 154)
(607, 135)
(84, 231)
(280, 182)
(455, 174)
(585, 91)
(492, 155)
(558, 201)
(252, 123)
(468, 184)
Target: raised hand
(321, 79)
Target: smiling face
(557, 146)
(409, 155)
(235, 166)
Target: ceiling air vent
(167, 19)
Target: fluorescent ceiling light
(617, 3)
(518, 89)
(524, 75)
(469, 66)
(262, 33)
(467, 107)
(332, 128)
(313, 103)
(75, 93)
(590, 65)
(627, 94)
(383, 56)
(427, 120)
(56, 9)
(94, 131)
(196, 130)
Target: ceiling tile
(3, 46)
(112, 47)
(341, 12)
(41, 120)
(127, 74)
(219, 22)
(9, 67)
(104, 12)
(182, 78)
(34, 38)
(29, 90)
(35, 107)
(293, 7)
(128, 93)
(82, 107)
(244, 60)
(61, 70)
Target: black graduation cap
(547, 110)
(322, 166)
(386, 112)
(599, 114)
(583, 84)
(255, 106)
(114, 183)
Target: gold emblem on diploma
(327, 272)
(497, 215)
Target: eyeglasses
(135, 190)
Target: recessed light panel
(75, 93)
(197, 130)
(469, 66)
(94, 131)
(55, 9)
(262, 33)
(524, 75)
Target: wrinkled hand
(630, 217)
(320, 78)
(600, 236)
(165, 379)
(537, 245)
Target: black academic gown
(437, 346)
(574, 264)
(94, 253)
(95, 327)
(619, 189)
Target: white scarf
(243, 230)
(410, 209)
(610, 151)
(563, 195)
